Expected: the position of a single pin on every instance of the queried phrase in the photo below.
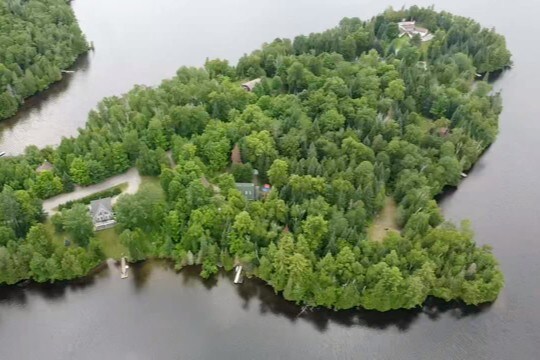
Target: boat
(2, 153)
(463, 175)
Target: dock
(238, 277)
(123, 268)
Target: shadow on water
(321, 318)
(36, 102)
(192, 274)
(18, 294)
(251, 289)
(141, 272)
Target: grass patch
(385, 222)
(58, 238)
(150, 180)
(152, 183)
(400, 42)
(110, 240)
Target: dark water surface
(158, 314)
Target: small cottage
(249, 190)
(250, 85)
(102, 214)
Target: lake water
(159, 314)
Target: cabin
(46, 166)
(410, 29)
(250, 85)
(249, 190)
(102, 214)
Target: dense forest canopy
(341, 122)
(38, 39)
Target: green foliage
(19, 210)
(135, 243)
(76, 221)
(242, 172)
(47, 185)
(341, 120)
(142, 210)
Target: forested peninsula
(341, 125)
(38, 39)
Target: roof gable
(101, 205)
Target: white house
(102, 214)
(410, 29)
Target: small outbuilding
(250, 85)
(102, 214)
(46, 166)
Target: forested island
(342, 124)
(38, 39)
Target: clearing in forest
(385, 222)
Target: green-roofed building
(249, 190)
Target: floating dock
(123, 268)
(238, 277)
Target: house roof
(407, 25)
(97, 205)
(250, 85)
(46, 166)
(249, 190)
(410, 28)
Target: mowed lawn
(110, 241)
(385, 222)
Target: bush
(242, 172)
